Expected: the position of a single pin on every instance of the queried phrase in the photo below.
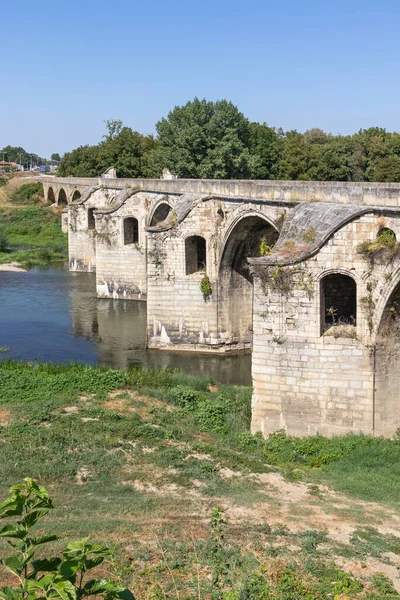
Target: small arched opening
(338, 302)
(235, 305)
(62, 197)
(131, 231)
(91, 219)
(195, 254)
(386, 235)
(160, 214)
(50, 195)
(76, 196)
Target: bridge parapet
(370, 193)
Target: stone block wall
(178, 314)
(82, 232)
(121, 263)
(305, 380)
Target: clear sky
(296, 64)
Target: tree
(81, 162)
(122, 148)
(265, 147)
(387, 169)
(204, 139)
(114, 128)
(56, 157)
(127, 151)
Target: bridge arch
(386, 365)
(159, 213)
(50, 195)
(76, 196)
(62, 197)
(235, 289)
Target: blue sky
(296, 64)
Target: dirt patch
(82, 475)
(4, 418)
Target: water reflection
(50, 314)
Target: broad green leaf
(48, 565)
(30, 519)
(97, 549)
(13, 531)
(90, 563)
(105, 586)
(64, 590)
(69, 568)
(43, 539)
(14, 564)
(9, 593)
(75, 548)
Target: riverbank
(30, 229)
(141, 458)
(12, 267)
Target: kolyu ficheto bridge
(319, 312)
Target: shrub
(29, 193)
(56, 577)
(205, 287)
(3, 241)
(184, 396)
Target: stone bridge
(306, 275)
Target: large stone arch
(76, 196)
(62, 198)
(386, 359)
(235, 288)
(50, 195)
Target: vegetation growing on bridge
(215, 140)
(139, 459)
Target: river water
(51, 315)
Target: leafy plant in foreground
(56, 577)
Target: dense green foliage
(32, 227)
(215, 140)
(122, 148)
(64, 578)
(91, 434)
(29, 193)
(204, 140)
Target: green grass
(31, 258)
(113, 460)
(32, 227)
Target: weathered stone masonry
(306, 380)
(323, 319)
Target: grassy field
(32, 229)
(162, 467)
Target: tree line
(18, 155)
(214, 140)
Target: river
(51, 315)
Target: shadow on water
(52, 315)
